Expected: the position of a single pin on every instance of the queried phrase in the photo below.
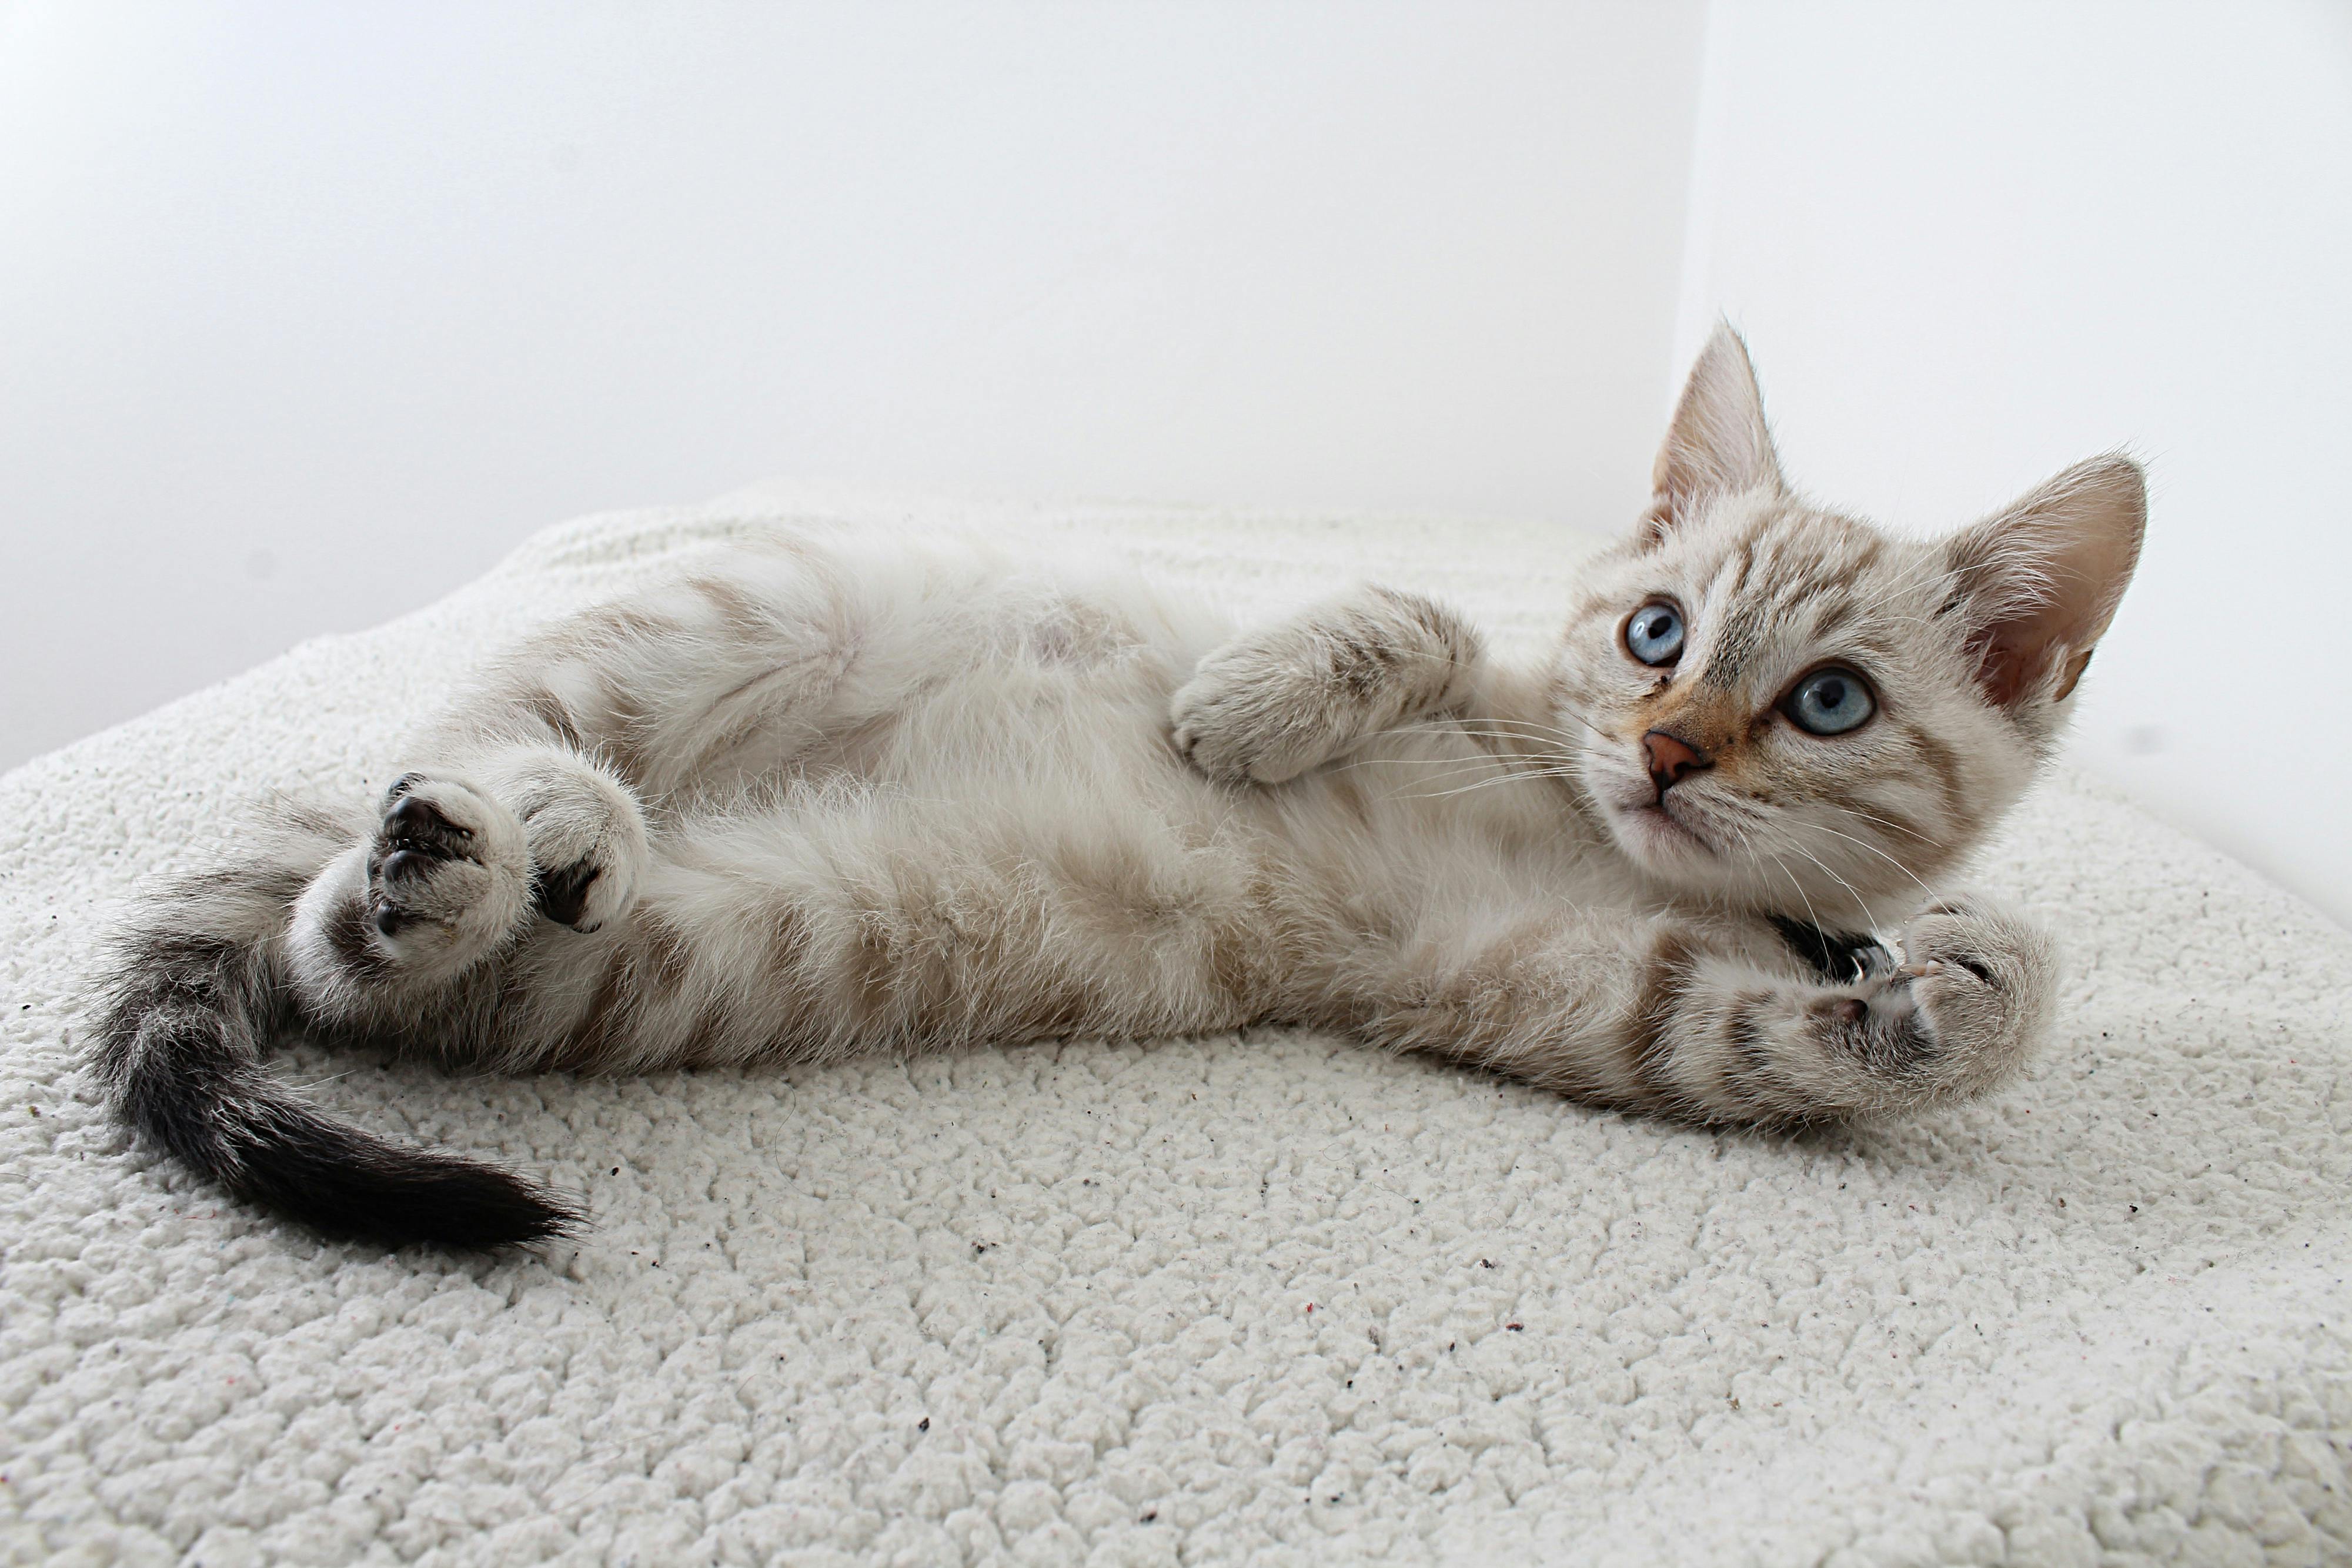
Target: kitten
(808, 797)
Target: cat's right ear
(1717, 443)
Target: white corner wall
(312, 311)
(1972, 244)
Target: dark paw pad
(562, 895)
(415, 843)
(414, 826)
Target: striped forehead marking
(1820, 596)
(1736, 633)
(1737, 636)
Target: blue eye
(1655, 635)
(1830, 702)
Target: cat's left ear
(2040, 580)
(1718, 444)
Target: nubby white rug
(1266, 1299)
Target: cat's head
(1787, 708)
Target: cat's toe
(1967, 942)
(416, 827)
(562, 895)
(1194, 730)
(1234, 734)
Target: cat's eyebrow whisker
(1911, 577)
(1878, 601)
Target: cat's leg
(457, 862)
(703, 680)
(1694, 1022)
(1274, 703)
(1975, 995)
(210, 968)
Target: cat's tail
(181, 1024)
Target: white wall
(1972, 244)
(309, 312)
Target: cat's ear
(1717, 443)
(2039, 581)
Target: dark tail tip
(345, 1182)
(184, 1073)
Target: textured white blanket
(1266, 1298)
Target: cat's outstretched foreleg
(1700, 1024)
(1274, 703)
(1975, 994)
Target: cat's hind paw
(586, 835)
(448, 872)
(589, 858)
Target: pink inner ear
(2075, 541)
(2013, 657)
(2009, 659)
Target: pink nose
(1671, 760)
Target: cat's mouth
(1655, 828)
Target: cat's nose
(1671, 760)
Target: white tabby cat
(817, 797)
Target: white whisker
(1815, 919)
(1860, 903)
(1891, 826)
(1511, 777)
(1882, 854)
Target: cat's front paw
(1246, 717)
(1985, 983)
